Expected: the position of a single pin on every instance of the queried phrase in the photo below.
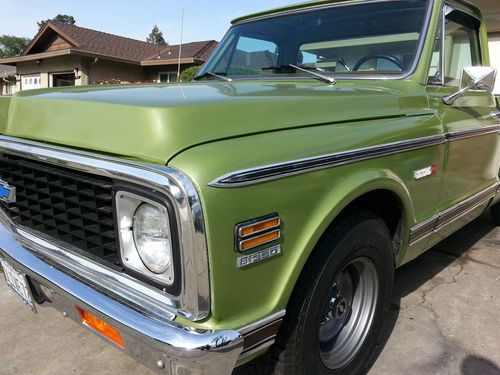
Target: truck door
(472, 147)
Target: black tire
(359, 236)
(495, 214)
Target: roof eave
(77, 52)
(37, 56)
(188, 60)
(47, 55)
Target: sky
(204, 20)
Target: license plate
(18, 283)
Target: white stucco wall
(495, 58)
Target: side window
(461, 46)
(252, 55)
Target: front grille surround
(194, 300)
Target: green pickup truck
(259, 212)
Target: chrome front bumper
(163, 345)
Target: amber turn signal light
(259, 227)
(259, 240)
(100, 326)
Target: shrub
(189, 74)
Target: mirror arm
(450, 99)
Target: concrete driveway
(445, 319)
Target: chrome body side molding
(451, 214)
(291, 168)
(193, 303)
(463, 134)
(251, 176)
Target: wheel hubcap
(348, 313)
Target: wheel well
(384, 203)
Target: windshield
(355, 39)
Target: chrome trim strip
(194, 301)
(255, 328)
(470, 133)
(418, 55)
(181, 349)
(251, 176)
(450, 215)
(256, 349)
(276, 171)
(266, 343)
(263, 322)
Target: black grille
(71, 206)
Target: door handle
(495, 115)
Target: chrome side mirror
(474, 78)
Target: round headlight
(152, 238)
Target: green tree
(60, 18)
(156, 37)
(12, 45)
(189, 74)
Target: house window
(30, 82)
(167, 77)
(62, 79)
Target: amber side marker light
(101, 327)
(259, 240)
(259, 227)
(257, 232)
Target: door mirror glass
(475, 78)
(479, 78)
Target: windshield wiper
(310, 70)
(341, 61)
(216, 75)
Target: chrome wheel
(348, 313)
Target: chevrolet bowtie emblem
(7, 192)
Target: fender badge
(259, 256)
(426, 172)
(7, 192)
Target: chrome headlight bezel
(127, 201)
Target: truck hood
(155, 123)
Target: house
(7, 79)
(69, 55)
(491, 12)
(495, 57)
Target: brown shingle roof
(104, 44)
(101, 43)
(195, 50)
